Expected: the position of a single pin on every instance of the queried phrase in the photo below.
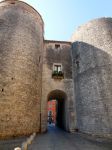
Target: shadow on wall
(62, 56)
(93, 87)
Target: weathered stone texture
(92, 59)
(62, 56)
(21, 42)
(26, 66)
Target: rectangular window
(57, 46)
(57, 68)
(57, 71)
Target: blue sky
(62, 17)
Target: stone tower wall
(21, 43)
(92, 59)
(26, 66)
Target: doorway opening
(57, 109)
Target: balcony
(58, 75)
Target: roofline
(26, 4)
(54, 41)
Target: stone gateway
(78, 74)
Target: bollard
(25, 146)
(17, 148)
(28, 142)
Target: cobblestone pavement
(56, 139)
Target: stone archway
(65, 106)
(61, 106)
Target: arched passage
(61, 103)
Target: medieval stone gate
(32, 69)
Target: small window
(57, 71)
(57, 46)
(57, 68)
(12, 2)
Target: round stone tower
(92, 60)
(21, 44)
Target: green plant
(60, 73)
(57, 74)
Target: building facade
(51, 109)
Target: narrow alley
(57, 139)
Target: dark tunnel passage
(57, 109)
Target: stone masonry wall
(61, 55)
(92, 58)
(21, 42)
(26, 66)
